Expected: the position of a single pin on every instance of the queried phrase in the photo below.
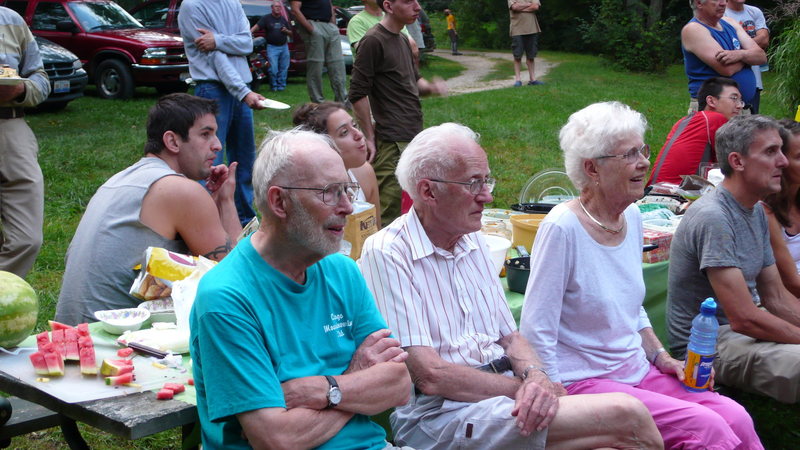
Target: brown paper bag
(361, 224)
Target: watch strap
(333, 386)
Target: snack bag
(160, 268)
(361, 224)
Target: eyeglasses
(632, 155)
(475, 184)
(737, 100)
(332, 193)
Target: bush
(619, 34)
(785, 60)
(482, 23)
(784, 57)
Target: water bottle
(702, 347)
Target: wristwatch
(334, 394)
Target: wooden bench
(26, 417)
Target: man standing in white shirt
(752, 20)
(478, 382)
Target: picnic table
(129, 412)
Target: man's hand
(9, 93)
(536, 403)
(253, 100)
(728, 57)
(378, 347)
(221, 182)
(437, 86)
(205, 42)
(306, 392)
(371, 149)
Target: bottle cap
(708, 307)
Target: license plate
(61, 86)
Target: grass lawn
(92, 139)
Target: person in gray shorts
(524, 37)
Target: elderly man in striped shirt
(478, 383)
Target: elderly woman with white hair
(583, 305)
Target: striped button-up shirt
(452, 302)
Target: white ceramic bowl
(162, 310)
(498, 247)
(118, 321)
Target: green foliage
(784, 56)
(482, 23)
(785, 61)
(619, 33)
(435, 5)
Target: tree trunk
(655, 12)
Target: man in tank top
(155, 202)
(715, 46)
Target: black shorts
(527, 42)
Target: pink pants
(686, 420)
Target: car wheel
(114, 80)
(169, 88)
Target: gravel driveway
(480, 64)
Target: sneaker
(517, 83)
(535, 83)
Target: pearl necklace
(605, 228)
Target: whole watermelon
(19, 307)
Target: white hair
(275, 156)
(431, 154)
(594, 131)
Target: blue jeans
(278, 56)
(235, 132)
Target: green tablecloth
(655, 299)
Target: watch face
(334, 396)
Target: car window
(18, 6)
(47, 15)
(95, 16)
(153, 15)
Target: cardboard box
(661, 238)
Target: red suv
(116, 50)
(162, 15)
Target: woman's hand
(669, 365)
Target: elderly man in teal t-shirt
(289, 349)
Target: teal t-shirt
(254, 328)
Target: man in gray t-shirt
(722, 250)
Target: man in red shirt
(691, 141)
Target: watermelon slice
(42, 339)
(88, 361)
(85, 342)
(57, 337)
(71, 344)
(120, 380)
(83, 329)
(174, 387)
(39, 364)
(124, 352)
(165, 394)
(58, 325)
(116, 367)
(54, 361)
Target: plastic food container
(498, 247)
(524, 228)
(118, 321)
